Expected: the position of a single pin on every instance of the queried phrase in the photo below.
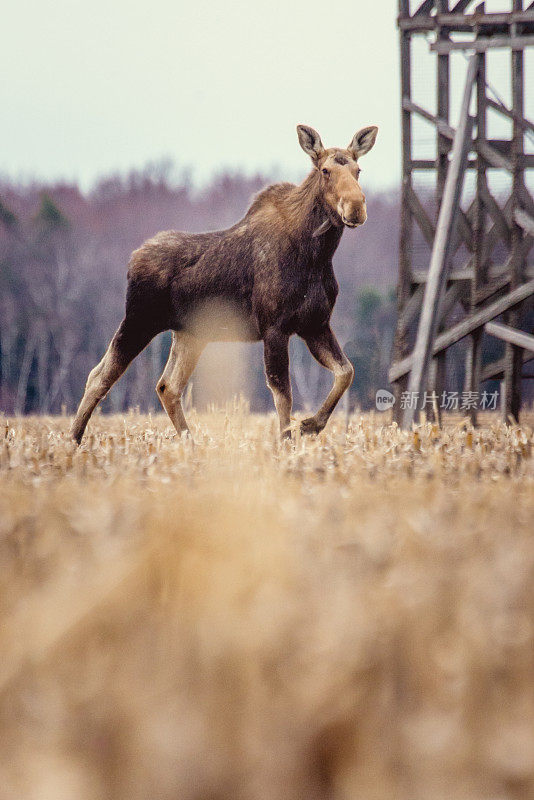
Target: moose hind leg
(127, 343)
(325, 348)
(183, 358)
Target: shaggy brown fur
(267, 277)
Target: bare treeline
(63, 261)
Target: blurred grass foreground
(349, 616)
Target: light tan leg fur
(326, 350)
(183, 358)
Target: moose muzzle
(351, 206)
(353, 212)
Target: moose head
(340, 173)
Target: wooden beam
(527, 202)
(497, 278)
(502, 146)
(492, 287)
(485, 43)
(443, 146)
(524, 220)
(491, 237)
(439, 261)
(479, 318)
(500, 19)
(410, 309)
(409, 312)
(513, 352)
(507, 112)
(415, 24)
(443, 127)
(421, 217)
(430, 164)
(495, 272)
(425, 8)
(465, 229)
(400, 344)
(491, 155)
(497, 23)
(463, 232)
(421, 275)
(495, 370)
(473, 357)
(496, 214)
(490, 152)
(423, 163)
(449, 300)
(511, 335)
(467, 326)
(526, 199)
(527, 160)
(460, 6)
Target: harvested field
(348, 616)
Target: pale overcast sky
(89, 88)
(92, 87)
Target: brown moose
(266, 278)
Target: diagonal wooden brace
(441, 250)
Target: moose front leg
(276, 355)
(325, 348)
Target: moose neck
(312, 222)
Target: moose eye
(325, 171)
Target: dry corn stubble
(347, 616)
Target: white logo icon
(384, 400)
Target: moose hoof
(310, 425)
(184, 435)
(76, 436)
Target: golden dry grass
(350, 616)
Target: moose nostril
(357, 217)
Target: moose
(266, 278)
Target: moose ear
(310, 141)
(363, 141)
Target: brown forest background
(63, 262)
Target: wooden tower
(493, 278)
